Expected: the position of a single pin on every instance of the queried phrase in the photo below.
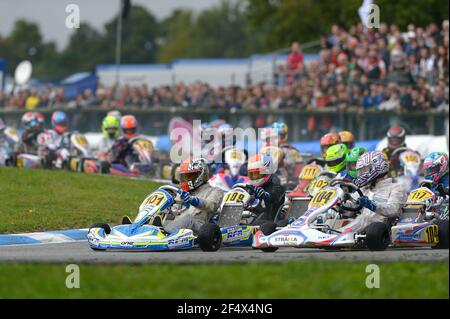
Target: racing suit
(28, 143)
(394, 161)
(122, 151)
(194, 217)
(388, 197)
(268, 208)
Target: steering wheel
(174, 190)
(402, 149)
(352, 186)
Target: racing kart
(235, 216)
(8, 139)
(421, 223)
(146, 232)
(326, 224)
(411, 163)
(312, 179)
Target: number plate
(322, 198)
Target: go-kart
(312, 179)
(421, 223)
(235, 216)
(326, 224)
(8, 139)
(146, 232)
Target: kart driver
(111, 131)
(352, 157)
(204, 199)
(60, 125)
(121, 149)
(383, 197)
(396, 138)
(327, 141)
(335, 158)
(348, 139)
(29, 139)
(266, 186)
(435, 168)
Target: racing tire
(267, 229)
(106, 227)
(209, 237)
(104, 167)
(377, 236)
(442, 234)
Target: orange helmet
(348, 139)
(129, 124)
(328, 140)
(193, 173)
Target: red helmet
(129, 125)
(396, 137)
(328, 140)
(193, 173)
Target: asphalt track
(79, 252)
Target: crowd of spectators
(383, 68)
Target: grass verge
(306, 279)
(39, 200)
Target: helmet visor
(430, 170)
(324, 148)
(363, 170)
(255, 175)
(335, 162)
(188, 177)
(395, 141)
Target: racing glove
(188, 199)
(364, 201)
(260, 193)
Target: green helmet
(111, 126)
(335, 158)
(352, 158)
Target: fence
(303, 125)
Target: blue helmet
(60, 122)
(282, 131)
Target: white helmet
(260, 169)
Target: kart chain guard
(230, 216)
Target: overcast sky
(51, 15)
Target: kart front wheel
(105, 227)
(267, 229)
(209, 237)
(442, 234)
(377, 236)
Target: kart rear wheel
(267, 229)
(442, 234)
(106, 227)
(209, 237)
(377, 236)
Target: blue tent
(77, 83)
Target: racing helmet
(226, 133)
(282, 131)
(193, 173)
(348, 139)
(435, 166)
(370, 167)
(260, 169)
(396, 137)
(40, 118)
(60, 122)
(117, 114)
(335, 158)
(30, 122)
(351, 159)
(328, 140)
(129, 125)
(111, 127)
